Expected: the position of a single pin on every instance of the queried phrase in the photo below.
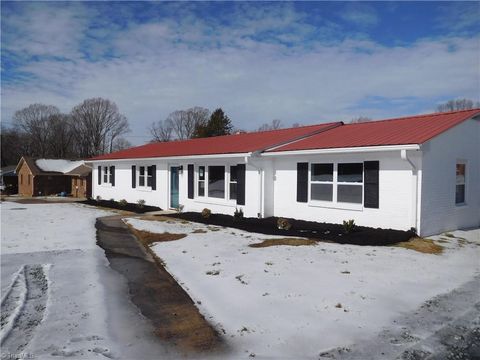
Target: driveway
(59, 295)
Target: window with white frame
(141, 176)
(150, 176)
(233, 183)
(106, 175)
(145, 176)
(350, 183)
(321, 182)
(201, 181)
(216, 182)
(460, 184)
(337, 183)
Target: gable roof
(400, 131)
(82, 170)
(48, 166)
(227, 144)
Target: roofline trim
(185, 157)
(356, 149)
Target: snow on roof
(57, 165)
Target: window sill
(214, 201)
(106, 185)
(144, 188)
(339, 206)
(461, 205)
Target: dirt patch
(147, 238)
(155, 292)
(119, 206)
(426, 246)
(304, 229)
(199, 231)
(284, 241)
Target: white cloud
(166, 65)
(360, 14)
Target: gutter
(357, 149)
(169, 158)
(404, 157)
(260, 170)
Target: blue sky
(305, 62)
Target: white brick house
(421, 172)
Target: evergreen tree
(218, 124)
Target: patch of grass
(148, 239)
(426, 246)
(199, 231)
(284, 241)
(211, 228)
(213, 272)
(449, 235)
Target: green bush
(123, 202)
(206, 213)
(283, 224)
(140, 203)
(238, 214)
(349, 226)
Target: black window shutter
(99, 175)
(112, 175)
(302, 182)
(134, 176)
(241, 184)
(370, 188)
(190, 181)
(154, 177)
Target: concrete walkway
(155, 292)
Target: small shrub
(283, 224)
(140, 203)
(180, 208)
(206, 213)
(238, 214)
(112, 200)
(349, 226)
(123, 203)
(98, 198)
(413, 231)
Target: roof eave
(170, 158)
(357, 149)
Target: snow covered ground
(297, 302)
(59, 296)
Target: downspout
(404, 156)
(260, 182)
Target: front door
(174, 187)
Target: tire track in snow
(23, 307)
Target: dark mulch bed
(300, 228)
(116, 205)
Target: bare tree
(274, 125)
(162, 130)
(14, 144)
(34, 121)
(185, 122)
(360, 119)
(295, 125)
(60, 136)
(458, 104)
(96, 124)
(121, 144)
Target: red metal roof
(401, 131)
(228, 144)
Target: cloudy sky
(299, 62)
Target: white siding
(161, 196)
(438, 210)
(396, 191)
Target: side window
(233, 182)
(201, 181)
(460, 184)
(350, 183)
(141, 176)
(321, 182)
(216, 182)
(105, 175)
(150, 176)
